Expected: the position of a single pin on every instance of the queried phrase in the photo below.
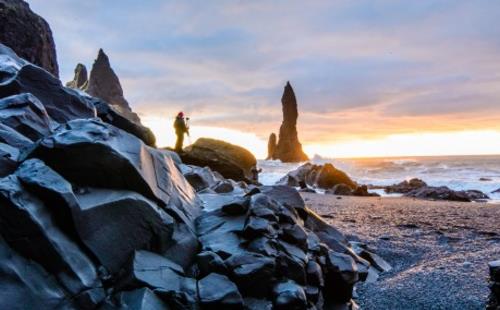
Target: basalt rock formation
(231, 161)
(271, 145)
(103, 83)
(28, 35)
(288, 148)
(93, 218)
(81, 78)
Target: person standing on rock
(181, 128)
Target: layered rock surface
(28, 35)
(288, 147)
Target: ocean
(456, 172)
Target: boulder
(405, 186)
(271, 146)
(210, 262)
(231, 161)
(28, 35)
(445, 193)
(329, 176)
(61, 103)
(200, 178)
(218, 292)
(26, 115)
(29, 228)
(362, 191)
(340, 190)
(341, 274)
(14, 139)
(289, 296)
(147, 269)
(317, 176)
(81, 78)
(104, 215)
(92, 153)
(104, 84)
(288, 148)
(24, 284)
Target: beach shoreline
(439, 250)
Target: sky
(372, 78)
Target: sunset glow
(480, 142)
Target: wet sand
(438, 250)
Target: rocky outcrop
(104, 84)
(81, 78)
(93, 218)
(231, 161)
(419, 189)
(288, 148)
(28, 35)
(494, 302)
(405, 186)
(445, 193)
(321, 176)
(271, 146)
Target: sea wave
(457, 172)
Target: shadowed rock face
(271, 145)
(103, 83)
(27, 34)
(289, 148)
(231, 161)
(80, 79)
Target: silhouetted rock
(406, 186)
(362, 191)
(340, 189)
(321, 176)
(231, 161)
(288, 148)
(341, 274)
(109, 115)
(494, 301)
(61, 103)
(271, 145)
(80, 79)
(103, 83)
(28, 35)
(445, 193)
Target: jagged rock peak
(81, 77)
(288, 148)
(28, 34)
(104, 83)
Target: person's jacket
(180, 125)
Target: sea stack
(28, 34)
(81, 78)
(288, 148)
(103, 83)
(271, 146)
